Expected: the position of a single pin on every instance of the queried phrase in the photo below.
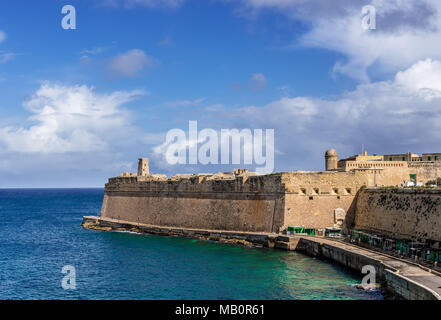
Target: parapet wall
(242, 203)
(312, 197)
(401, 213)
(271, 203)
(225, 201)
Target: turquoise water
(40, 232)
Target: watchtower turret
(331, 158)
(143, 167)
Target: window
(348, 190)
(303, 191)
(390, 159)
(315, 191)
(404, 159)
(436, 158)
(429, 158)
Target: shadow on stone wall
(349, 222)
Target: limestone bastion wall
(242, 203)
(270, 203)
(426, 172)
(255, 203)
(402, 213)
(313, 198)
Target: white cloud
(166, 42)
(407, 31)
(3, 36)
(422, 75)
(145, 3)
(285, 90)
(130, 63)
(156, 3)
(400, 115)
(93, 51)
(215, 107)
(184, 103)
(258, 81)
(5, 57)
(70, 119)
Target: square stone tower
(143, 167)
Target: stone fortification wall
(313, 198)
(223, 202)
(226, 201)
(425, 171)
(249, 202)
(403, 213)
(392, 173)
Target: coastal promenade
(403, 278)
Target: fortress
(247, 201)
(363, 195)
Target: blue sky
(79, 106)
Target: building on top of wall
(370, 162)
(388, 170)
(247, 201)
(383, 161)
(413, 157)
(431, 157)
(408, 157)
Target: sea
(46, 254)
